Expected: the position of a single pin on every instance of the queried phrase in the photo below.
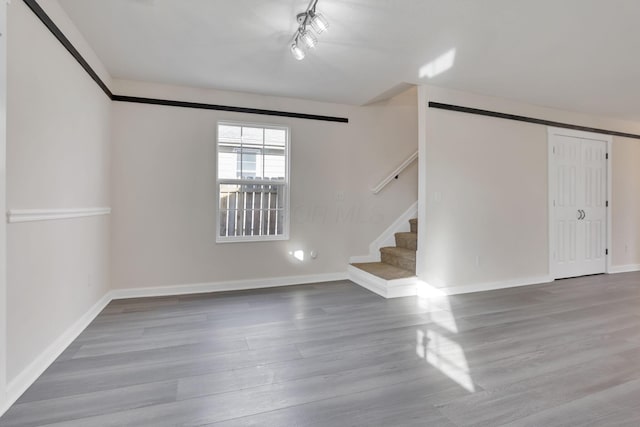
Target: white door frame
(551, 176)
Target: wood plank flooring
(333, 354)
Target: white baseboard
(415, 286)
(234, 285)
(387, 238)
(30, 374)
(385, 288)
(373, 283)
(487, 286)
(624, 268)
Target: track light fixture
(308, 39)
(303, 38)
(297, 51)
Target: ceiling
(579, 55)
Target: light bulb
(297, 51)
(318, 23)
(309, 40)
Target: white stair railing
(397, 171)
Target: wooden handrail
(397, 171)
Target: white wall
(3, 193)
(164, 177)
(58, 156)
(625, 203)
(59, 17)
(484, 214)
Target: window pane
(227, 165)
(274, 167)
(275, 137)
(246, 164)
(251, 210)
(252, 137)
(229, 133)
(245, 154)
(251, 152)
(228, 196)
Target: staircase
(395, 274)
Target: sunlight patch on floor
(440, 351)
(445, 355)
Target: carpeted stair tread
(385, 271)
(399, 252)
(397, 262)
(407, 240)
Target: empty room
(296, 213)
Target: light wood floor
(334, 354)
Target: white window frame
(286, 193)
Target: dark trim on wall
(201, 106)
(525, 119)
(51, 26)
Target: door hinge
(607, 156)
(606, 251)
(607, 204)
(554, 150)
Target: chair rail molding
(397, 171)
(27, 215)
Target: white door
(578, 203)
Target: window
(252, 182)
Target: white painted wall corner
(17, 386)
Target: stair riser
(407, 242)
(407, 264)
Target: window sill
(251, 239)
